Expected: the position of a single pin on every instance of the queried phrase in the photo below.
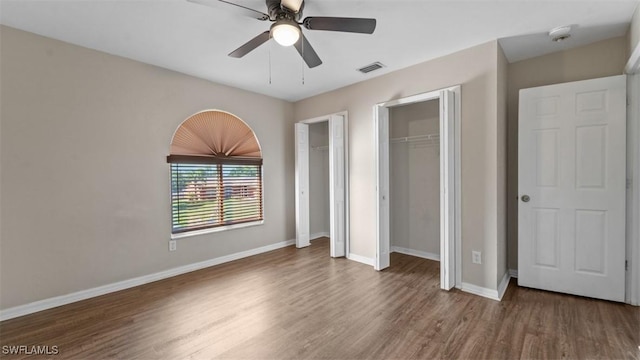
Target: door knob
(525, 198)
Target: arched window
(216, 173)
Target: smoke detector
(560, 33)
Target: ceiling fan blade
(293, 5)
(355, 25)
(306, 51)
(250, 45)
(238, 8)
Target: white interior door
(382, 233)
(447, 184)
(302, 184)
(337, 205)
(571, 185)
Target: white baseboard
(45, 304)
(504, 284)
(486, 292)
(318, 235)
(513, 273)
(480, 291)
(361, 259)
(417, 253)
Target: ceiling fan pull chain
(269, 65)
(302, 62)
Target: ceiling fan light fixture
(285, 32)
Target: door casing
(450, 209)
(302, 178)
(633, 179)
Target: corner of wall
(501, 153)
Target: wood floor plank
(301, 304)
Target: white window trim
(187, 234)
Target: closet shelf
(430, 138)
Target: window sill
(215, 229)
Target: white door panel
(302, 185)
(447, 198)
(571, 164)
(337, 185)
(382, 141)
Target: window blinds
(211, 195)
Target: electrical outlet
(476, 257)
(172, 245)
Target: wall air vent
(371, 67)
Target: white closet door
(382, 139)
(302, 185)
(447, 184)
(337, 185)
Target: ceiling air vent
(371, 67)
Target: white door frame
(328, 118)
(450, 209)
(632, 293)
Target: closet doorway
(414, 179)
(432, 151)
(321, 182)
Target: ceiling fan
(286, 15)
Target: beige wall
(475, 70)
(414, 179)
(601, 59)
(85, 186)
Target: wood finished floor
(296, 304)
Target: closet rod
(428, 137)
(320, 148)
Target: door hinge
(629, 183)
(626, 265)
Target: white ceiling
(195, 39)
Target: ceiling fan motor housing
(277, 11)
